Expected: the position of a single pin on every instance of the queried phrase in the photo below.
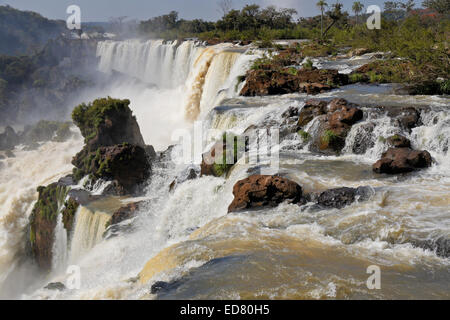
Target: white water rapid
(186, 234)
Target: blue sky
(101, 10)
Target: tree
(225, 6)
(357, 8)
(321, 4)
(408, 5)
(441, 6)
(335, 14)
(390, 6)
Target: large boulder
(127, 166)
(126, 212)
(43, 219)
(268, 80)
(335, 125)
(259, 191)
(114, 148)
(402, 160)
(222, 156)
(342, 197)
(107, 122)
(312, 108)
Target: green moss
(221, 167)
(305, 135)
(356, 77)
(89, 117)
(329, 138)
(32, 235)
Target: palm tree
(357, 8)
(321, 4)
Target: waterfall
(198, 77)
(89, 229)
(60, 244)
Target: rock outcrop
(114, 148)
(270, 81)
(43, 221)
(222, 156)
(260, 191)
(342, 197)
(124, 213)
(402, 160)
(335, 121)
(127, 166)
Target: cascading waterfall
(60, 252)
(19, 178)
(89, 229)
(183, 229)
(203, 75)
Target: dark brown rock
(342, 197)
(127, 212)
(310, 110)
(399, 141)
(268, 80)
(259, 191)
(402, 160)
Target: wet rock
(311, 109)
(268, 80)
(8, 139)
(83, 197)
(259, 191)
(127, 166)
(114, 148)
(160, 286)
(398, 141)
(290, 112)
(42, 223)
(407, 117)
(222, 156)
(363, 140)
(342, 197)
(402, 160)
(66, 181)
(440, 246)
(127, 212)
(334, 126)
(55, 286)
(107, 122)
(189, 174)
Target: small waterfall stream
(89, 229)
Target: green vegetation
(222, 167)
(305, 135)
(23, 32)
(89, 117)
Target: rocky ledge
(114, 151)
(114, 148)
(260, 191)
(269, 81)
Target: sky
(102, 10)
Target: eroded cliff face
(52, 202)
(114, 148)
(114, 151)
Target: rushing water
(286, 252)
